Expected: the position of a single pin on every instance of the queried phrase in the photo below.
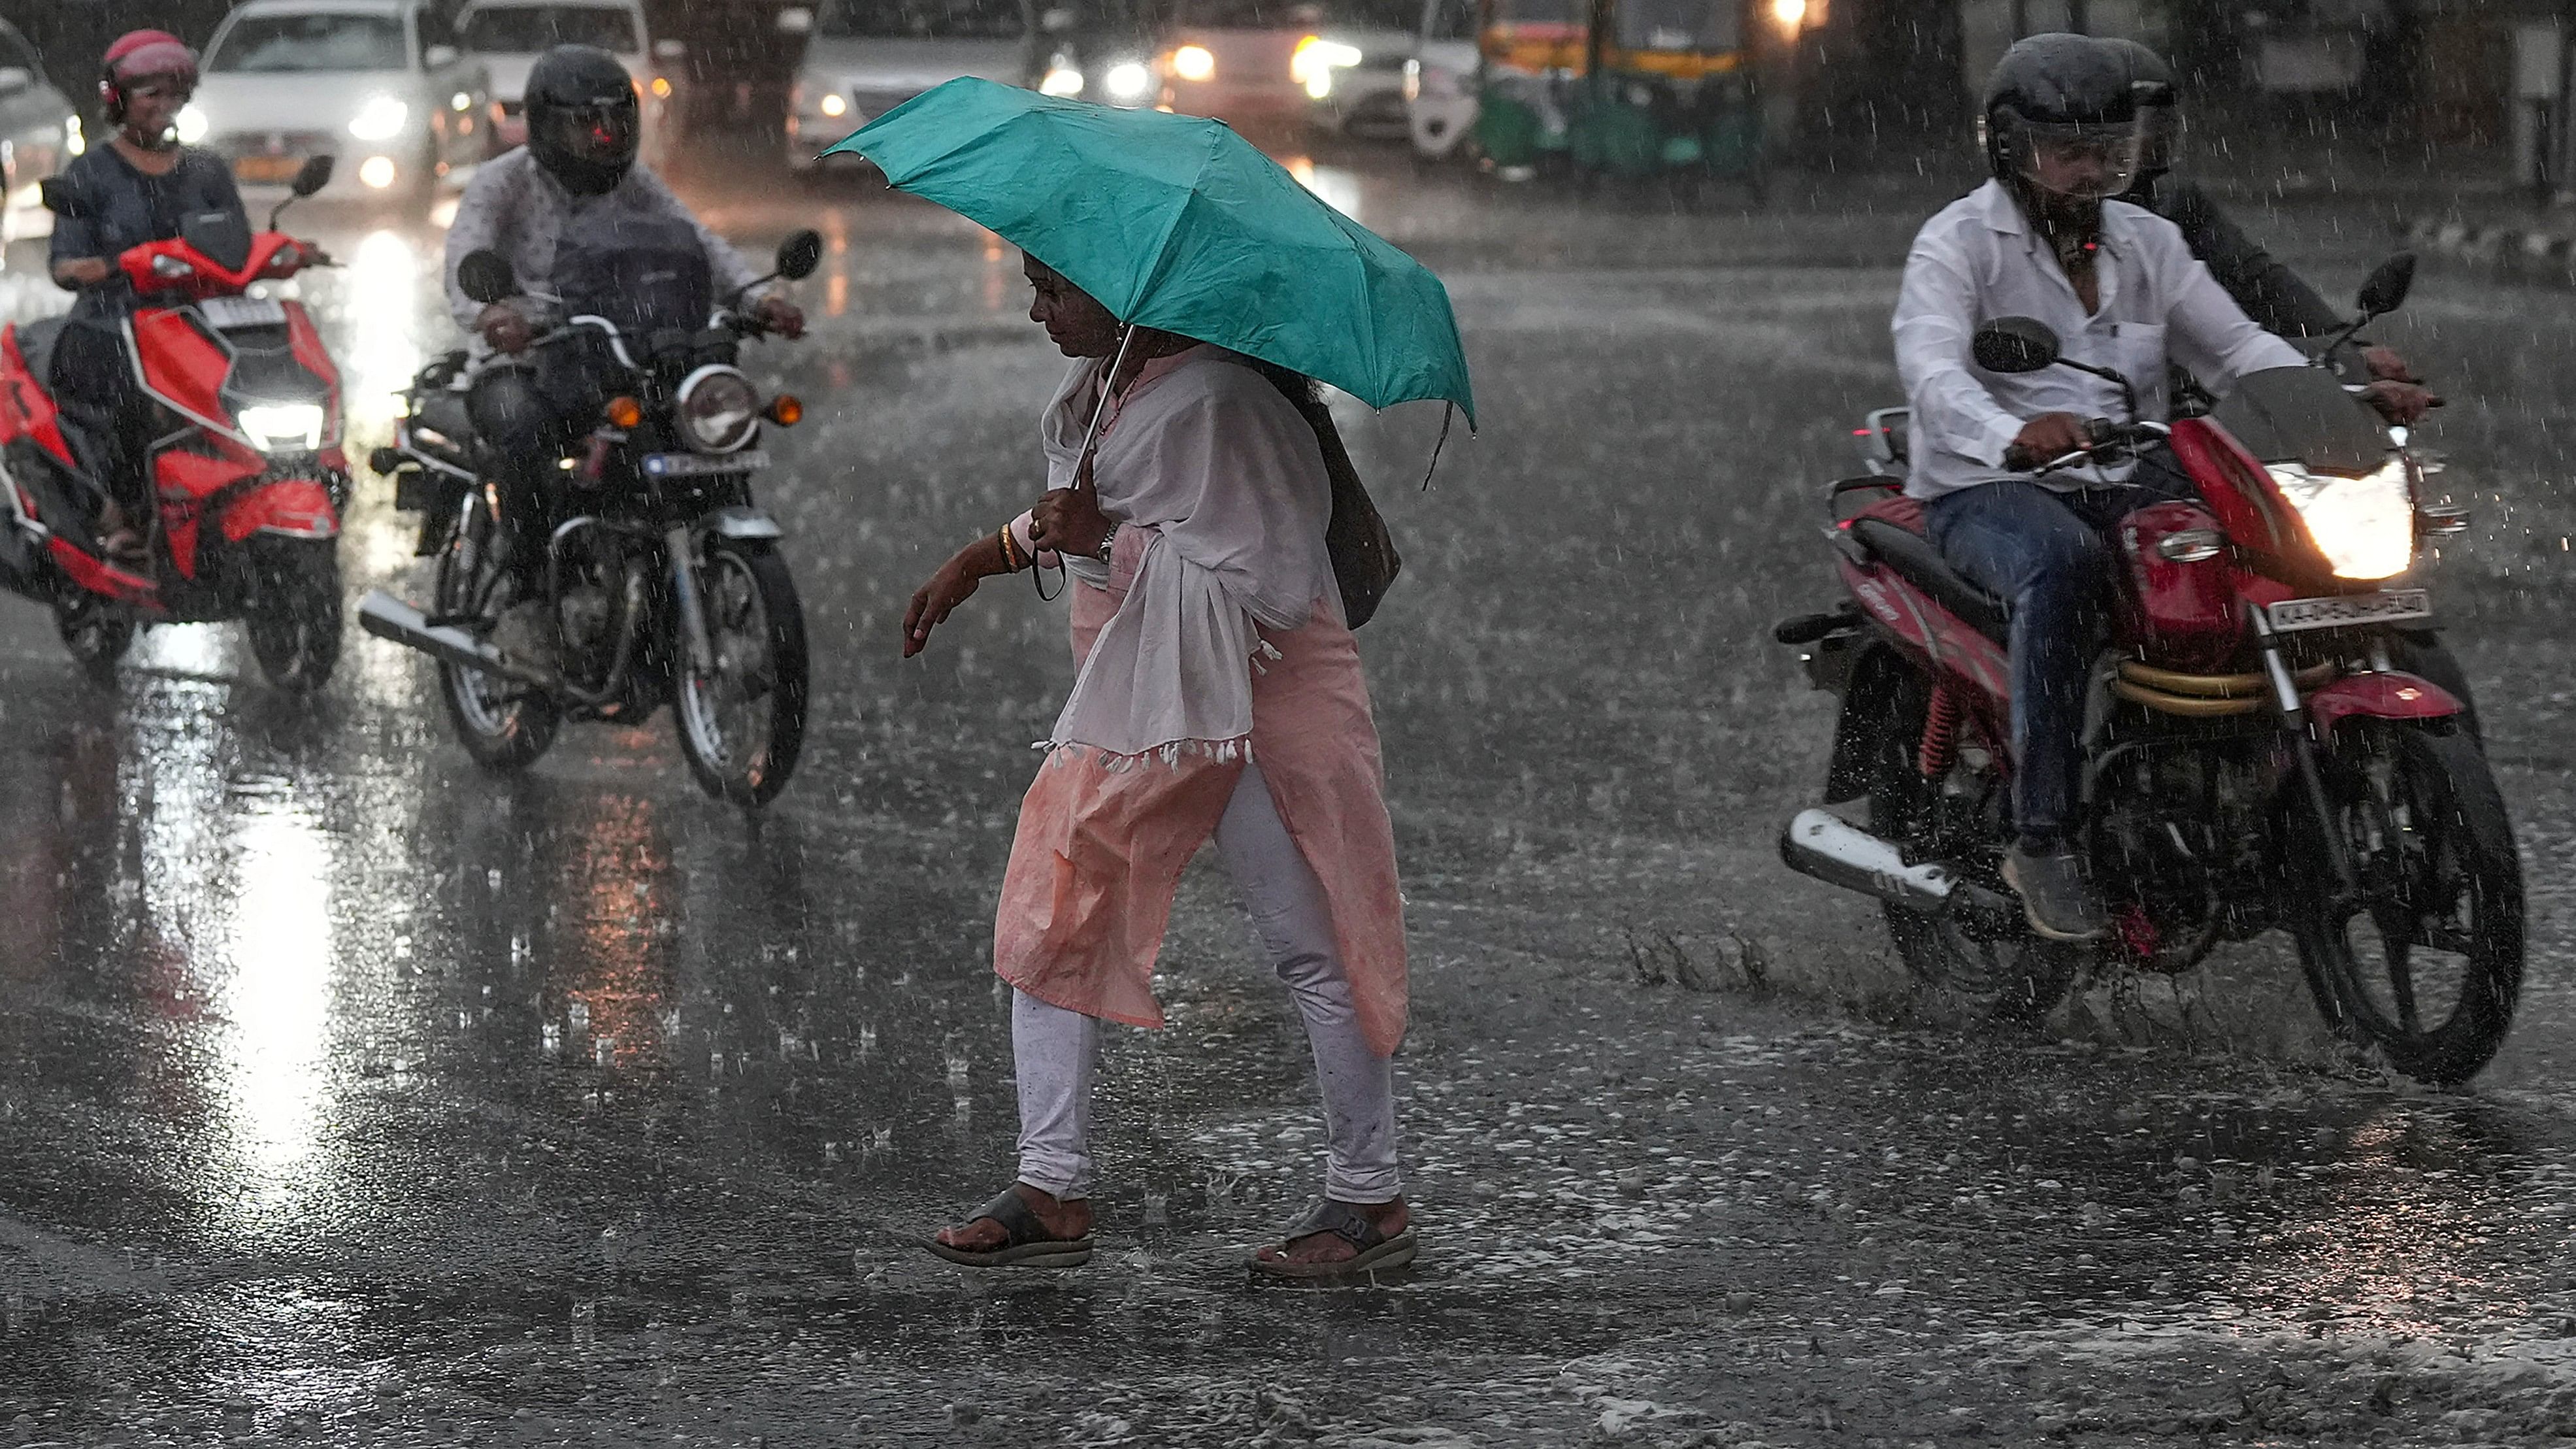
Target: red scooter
(246, 470)
(2257, 753)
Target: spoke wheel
(294, 617)
(741, 715)
(2002, 971)
(504, 725)
(2425, 964)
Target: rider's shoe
(2055, 895)
(527, 634)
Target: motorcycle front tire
(294, 617)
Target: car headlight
(1062, 80)
(284, 427)
(2364, 526)
(719, 409)
(1194, 63)
(191, 125)
(1128, 81)
(380, 119)
(1314, 61)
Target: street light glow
(1791, 14)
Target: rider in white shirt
(2121, 289)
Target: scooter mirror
(800, 254)
(61, 197)
(486, 277)
(2015, 344)
(2386, 289)
(315, 174)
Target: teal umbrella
(1178, 223)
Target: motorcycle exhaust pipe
(387, 617)
(1822, 844)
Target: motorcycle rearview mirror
(311, 177)
(800, 254)
(486, 277)
(2385, 290)
(2016, 344)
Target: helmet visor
(2159, 138)
(2087, 160)
(600, 135)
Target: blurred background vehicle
(866, 57)
(507, 36)
(39, 129)
(1440, 79)
(1531, 57)
(1240, 61)
(1102, 50)
(1354, 72)
(380, 84)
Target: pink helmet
(138, 54)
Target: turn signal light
(784, 410)
(624, 412)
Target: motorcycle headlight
(1061, 80)
(284, 427)
(380, 119)
(2364, 526)
(191, 125)
(719, 409)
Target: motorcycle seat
(1892, 530)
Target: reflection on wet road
(348, 1092)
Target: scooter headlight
(719, 409)
(2364, 526)
(284, 427)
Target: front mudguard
(1882, 699)
(2388, 695)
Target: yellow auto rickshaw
(1530, 54)
(1668, 87)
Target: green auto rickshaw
(1667, 88)
(1530, 57)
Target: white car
(377, 83)
(1356, 76)
(1440, 80)
(507, 36)
(866, 57)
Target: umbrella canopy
(1177, 223)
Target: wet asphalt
(349, 1095)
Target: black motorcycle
(666, 582)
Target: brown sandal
(1025, 1243)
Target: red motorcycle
(2257, 753)
(246, 470)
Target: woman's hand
(1069, 520)
(83, 271)
(952, 585)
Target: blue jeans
(2049, 557)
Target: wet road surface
(349, 1095)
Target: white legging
(1057, 1051)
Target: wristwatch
(1108, 541)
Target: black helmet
(2159, 108)
(2061, 115)
(583, 118)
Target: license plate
(692, 465)
(222, 312)
(266, 169)
(2386, 607)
